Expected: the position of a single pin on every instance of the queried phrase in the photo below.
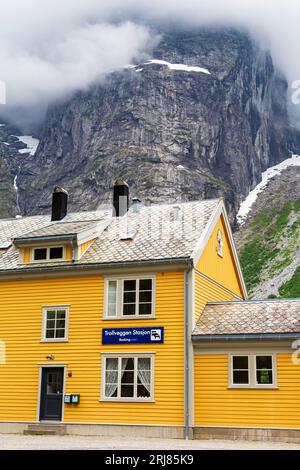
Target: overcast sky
(51, 47)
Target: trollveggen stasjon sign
(133, 335)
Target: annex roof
(257, 317)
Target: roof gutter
(246, 337)
(94, 266)
(50, 238)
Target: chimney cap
(121, 182)
(59, 189)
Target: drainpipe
(187, 340)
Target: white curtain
(111, 380)
(144, 372)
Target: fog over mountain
(52, 48)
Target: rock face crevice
(172, 134)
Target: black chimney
(121, 198)
(59, 204)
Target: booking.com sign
(2, 92)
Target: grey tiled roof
(156, 232)
(251, 317)
(60, 228)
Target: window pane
(146, 297)
(240, 377)
(129, 285)
(60, 333)
(128, 363)
(111, 390)
(146, 284)
(61, 314)
(129, 297)
(145, 309)
(240, 362)
(263, 362)
(111, 363)
(144, 363)
(60, 324)
(129, 309)
(112, 299)
(50, 334)
(50, 314)
(56, 253)
(40, 254)
(142, 392)
(50, 324)
(264, 376)
(128, 377)
(127, 391)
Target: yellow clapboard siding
(216, 405)
(21, 328)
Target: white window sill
(54, 341)
(126, 400)
(256, 387)
(138, 317)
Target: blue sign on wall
(133, 335)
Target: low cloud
(49, 48)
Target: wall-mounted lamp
(50, 357)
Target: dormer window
(220, 243)
(55, 253)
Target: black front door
(51, 394)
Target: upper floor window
(220, 243)
(55, 324)
(132, 297)
(55, 253)
(252, 371)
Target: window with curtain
(128, 377)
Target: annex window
(220, 243)
(128, 378)
(48, 254)
(252, 371)
(127, 298)
(55, 324)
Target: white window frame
(120, 295)
(44, 324)
(252, 370)
(120, 356)
(48, 248)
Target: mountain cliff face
(172, 132)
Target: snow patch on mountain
(31, 142)
(273, 171)
(180, 67)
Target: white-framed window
(252, 371)
(132, 297)
(55, 324)
(127, 377)
(220, 243)
(48, 254)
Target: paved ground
(20, 442)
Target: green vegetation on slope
(262, 251)
(291, 288)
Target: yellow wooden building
(135, 322)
